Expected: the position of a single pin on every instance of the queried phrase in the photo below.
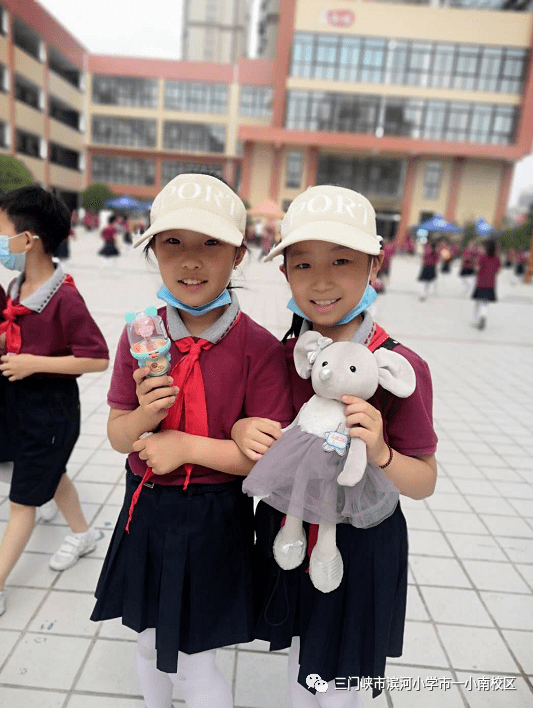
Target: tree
(95, 196)
(13, 174)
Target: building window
(65, 157)
(194, 137)
(133, 132)
(465, 67)
(169, 169)
(63, 113)
(339, 112)
(373, 177)
(3, 21)
(27, 92)
(125, 91)
(211, 11)
(122, 170)
(432, 179)
(196, 97)
(28, 143)
(432, 120)
(286, 204)
(293, 168)
(4, 134)
(63, 68)
(255, 101)
(26, 39)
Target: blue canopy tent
(484, 229)
(438, 224)
(126, 202)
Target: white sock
(156, 686)
(199, 681)
(300, 697)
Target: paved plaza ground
(469, 632)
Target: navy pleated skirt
(484, 293)
(428, 272)
(350, 631)
(184, 568)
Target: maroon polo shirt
(407, 422)
(244, 375)
(488, 267)
(63, 328)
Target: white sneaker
(289, 555)
(73, 548)
(326, 575)
(48, 511)
(2, 602)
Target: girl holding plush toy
(179, 566)
(362, 436)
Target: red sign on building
(340, 18)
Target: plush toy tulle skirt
(299, 478)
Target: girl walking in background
(485, 291)
(428, 273)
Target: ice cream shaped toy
(149, 342)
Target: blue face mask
(12, 261)
(223, 299)
(364, 303)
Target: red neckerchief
(11, 328)
(375, 339)
(190, 403)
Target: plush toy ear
(395, 373)
(307, 346)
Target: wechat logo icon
(314, 681)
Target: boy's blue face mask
(12, 261)
(223, 299)
(364, 303)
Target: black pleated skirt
(184, 568)
(466, 270)
(488, 294)
(347, 632)
(43, 425)
(428, 272)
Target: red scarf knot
(11, 328)
(189, 410)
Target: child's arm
(19, 366)
(167, 450)
(414, 477)
(155, 395)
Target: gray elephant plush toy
(315, 472)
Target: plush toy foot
(326, 575)
(289, 555)
(349, 478)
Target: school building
(42, 97)
(422, 106)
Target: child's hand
(18, 366)
(365, 422)
(255, 435)
(156, 394)
(164, 451)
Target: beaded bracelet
(391, 453)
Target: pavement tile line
(483, 412)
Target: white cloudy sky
(153, 29)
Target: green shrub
(95, 196)
(13, 174)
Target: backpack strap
(378, 338)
